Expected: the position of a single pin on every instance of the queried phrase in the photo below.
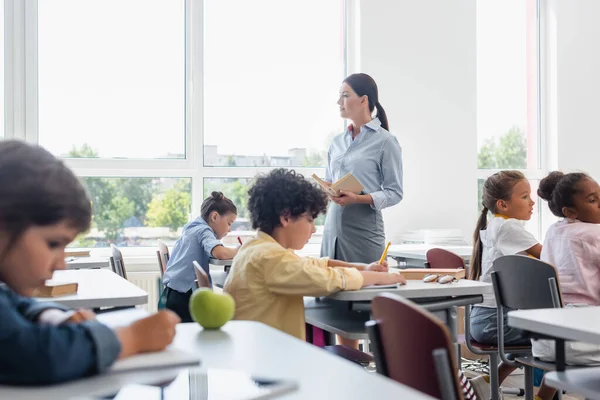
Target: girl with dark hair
(43, 207)
(572, 245)
(199, 241)
(354, 230)
(354, 224)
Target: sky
(116, 80)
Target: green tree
(111, 216)
(85, 151)
(508, 152)
(114, 200)
(170, 209)
(139, 191)
(230, 161)
(315, 159)
(234, 189)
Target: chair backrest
(407, 344)
(117, 264)
(440, 258)
(163, 256)
(201, 276)
(523, 282)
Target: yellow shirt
(268, 283)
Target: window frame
(545, 161)
(21, 103)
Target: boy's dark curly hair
(282, 192)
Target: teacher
(354, 224)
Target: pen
(240, 241)
(384, 255)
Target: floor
(516, 380)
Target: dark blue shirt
(33, 353)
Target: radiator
(147, 281)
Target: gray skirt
(353, 233)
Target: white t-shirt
(502, 237)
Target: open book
(348, 183)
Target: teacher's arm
(391, 172)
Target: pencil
(240, 240)
(384, 255)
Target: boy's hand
(80, 315)
(375, 266)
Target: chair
(116, 262)
(202, 279)
(411, 346)
(524, 283)
(163, 257)
(440, 258)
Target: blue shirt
(195, 244)
(374, 157)
(33, 353)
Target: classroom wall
(574, 84)
(422, 56)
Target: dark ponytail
(499, 186)
(364, 85)
(217, 202)
(382, 116)
(475, 263)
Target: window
(509, 134)
(508, 84)
(136, 211)
(111, 76)
(271, 83)
(155, 103)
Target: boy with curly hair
(267, 279)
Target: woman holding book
(354, 224)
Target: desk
(219, 274)
(581, 324)
(254, 348)
(222, 263)
(87, 262)
(441, 300)
(98, 288)
(414, 254)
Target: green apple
(211, 310)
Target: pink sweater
(573, 247)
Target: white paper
(170, 357)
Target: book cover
(348, 183)
(55, 289)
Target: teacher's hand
(345, 198)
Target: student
(507, 195)
(42, 208)
(572, 245)
(267, 279)
(200, 240)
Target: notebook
(170, 357)
(348, 183)
(390, 286)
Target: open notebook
(170, 357)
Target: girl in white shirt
(507, 195)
